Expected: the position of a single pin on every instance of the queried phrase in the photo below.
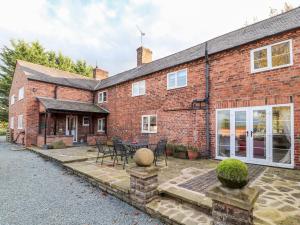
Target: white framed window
(86, 121)
(101, 125)
(12, 100)
(273, 56)
(149, 124)
(20, 122)
(139, 88)
(177, 79)
(21, 93)
(102, 97)
(12, 120)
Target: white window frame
(20, 122)
(21, 93)
(12, 99)
(176, 85)
(139, 83)
(85, 124)
(102, 126)
(101, 100)
(148, 118)
(269, 57)
(12, 122)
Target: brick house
(236, 95)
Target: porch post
(45, 130)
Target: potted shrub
(232, 173)
(169, 149)
(192, 152)
(180, 151)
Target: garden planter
(232, 183)
(193, 155)
(169, 151)
(180, 155)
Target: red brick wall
(233, 85)
(19, 108)
(175, 119)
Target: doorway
(260, 135)
(72, 126)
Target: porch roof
(75, 106)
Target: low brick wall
(91, 139)
(68, 140)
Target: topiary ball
(232, 173)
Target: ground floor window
(262, 135)
(149, 124)
(12, 122)
(86, 121)
(101, 125)
(20, 122)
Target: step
(173, 211)
(203, 203)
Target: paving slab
(67, 155)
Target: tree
(32, 52)
(286, 7)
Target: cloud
(105, 31)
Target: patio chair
(159, 150)
(120, 150)
(104, 150)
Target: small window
(20, 122)
(102, 96)
(139, 88)
(271, 57)
(12, 122)
(21, 93)
(86, 121)
(177, 79)
(101, 125)
(149, 124)
(12, 100)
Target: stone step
(203, 203)
(177, 212)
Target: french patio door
(72, 126)
(260, 135)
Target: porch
(73, 123)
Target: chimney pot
(144, 55)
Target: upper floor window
(21, 93)
(85, 121)
(12, 100)
(272, 56)
(20, 122)
(12, 120)
(177, 79)
(149, 124)
(102, 96)
(139, 88)
(101, 125)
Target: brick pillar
(143, 184)
(232, 206)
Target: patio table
(134, 146)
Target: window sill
(149, 132)
(85, 125)
(269, 69)
(169, 89)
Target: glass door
(241, 133)
(71, 126)
(259, 135)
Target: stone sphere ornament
(143, 157)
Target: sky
(106, 31)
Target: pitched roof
(51, 75)
(74, 106)
(274, 25)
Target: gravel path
(34, 191)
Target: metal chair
(105, 151)
(120, 150)
(159, 150)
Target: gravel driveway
(34, 191)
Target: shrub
(180, 151)
(3, 128)
(232, 173)
(58, 144)
(192, 148)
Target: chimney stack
(99, 74)
(144, 55)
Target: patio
(278, 203)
